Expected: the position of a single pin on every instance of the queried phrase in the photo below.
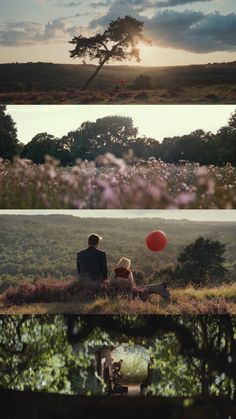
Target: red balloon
(156, 241)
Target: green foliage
(171, 373)
(201, 262)
(35, 355)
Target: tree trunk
(96, 71)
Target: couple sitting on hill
(92, 266)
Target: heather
(70, 296)
(109, 182)
(43, 83)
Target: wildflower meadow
(109, 182)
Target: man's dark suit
(92, 264)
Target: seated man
(91, 262)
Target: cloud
(172, 3)
(73, 4)
(193, 31)
(100, 4)
(188, 30)
(31, 33)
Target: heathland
(62, 83)
(38, 253)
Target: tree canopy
(108, 134)
(117, 135)
(192, 355)
(41, 145)
(201, 261)
(9, 145)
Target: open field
(144, 185)
(38, 262)
(38, 83)
(215, 300)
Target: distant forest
(31, 77)
(117, 135)
(42, 246)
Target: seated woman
(122, 276)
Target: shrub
(142, 82)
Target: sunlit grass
(172, 95)
(216, 300)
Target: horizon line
(102, 217)
(118, 65)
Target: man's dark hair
(93, 239)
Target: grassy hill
(184, 301)
(40, 247)
(53, 83)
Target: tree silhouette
(201, 261)
(227, 142)
(109, 134)
(41, 145)
(118, 42)
(9, 145)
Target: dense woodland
(119, 136)
(189, 355)
(45, 246)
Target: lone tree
(118, 42)
(9, 145)
(202, 261)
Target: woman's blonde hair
(124, 263)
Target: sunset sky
(181, 31)
(155, 121)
